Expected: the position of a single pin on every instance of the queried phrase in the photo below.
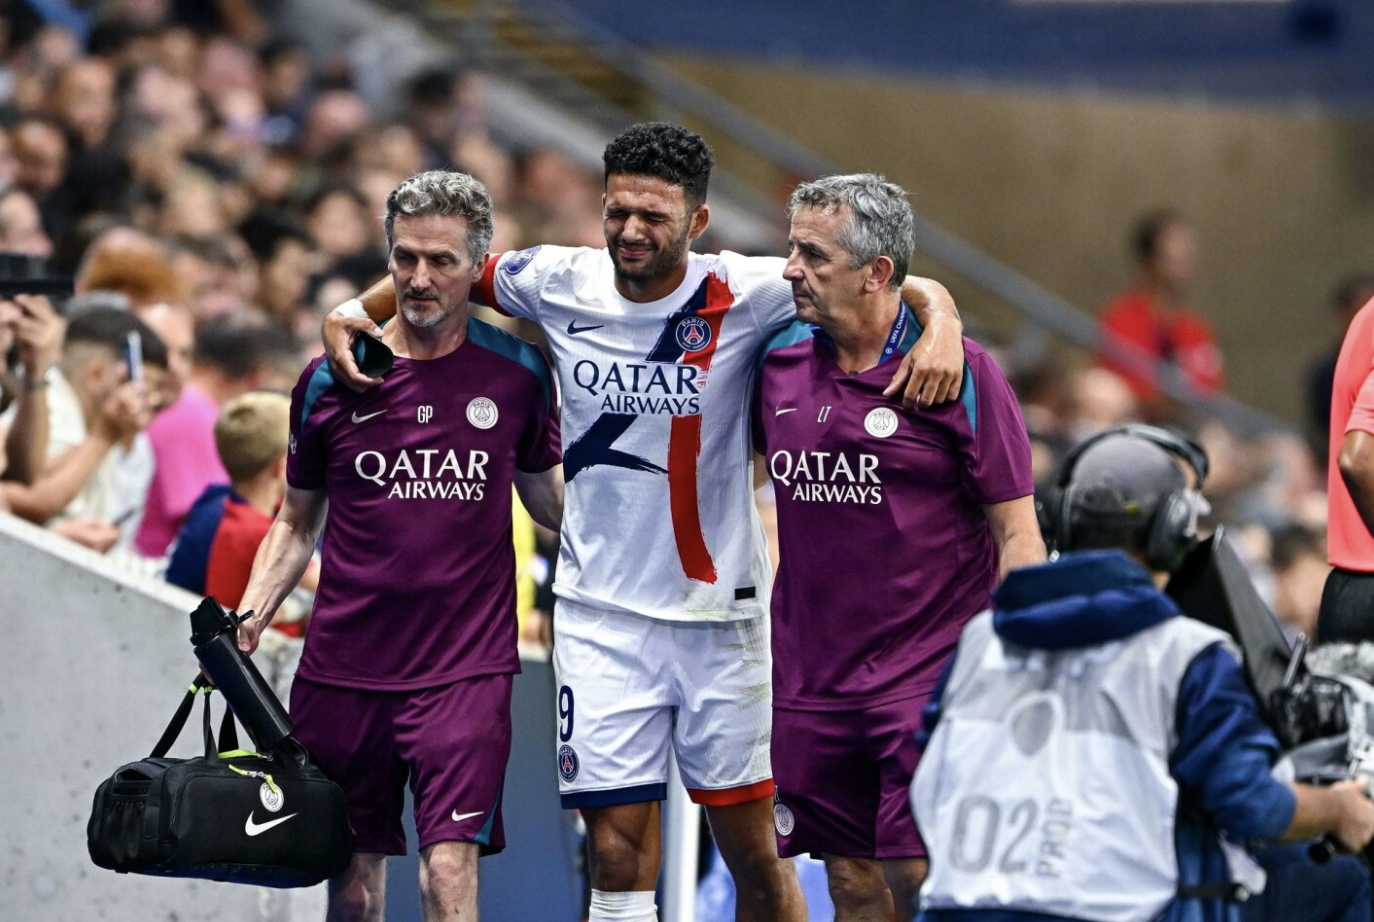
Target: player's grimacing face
(823, 283)
(430, 267)
(648, 225)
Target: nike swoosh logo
(781, 410)
(459, 817)
(257, 829)
(361, 419)
(574, 329)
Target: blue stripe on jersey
(517, 350)
(790, 335)
(321, 381)
(640, 793)
(913, 330)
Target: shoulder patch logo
(693, 334)
(482, 413)
(517, 261)
(567, 763)
(880, 422)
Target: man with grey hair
(417, 476)
(893, 527)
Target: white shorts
(628, 686)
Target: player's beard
(423, 320)
(660, 262)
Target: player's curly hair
(444, 192)
(668, 152)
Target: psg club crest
(693, 334)
(518, 261)
(482, 413)
(567, 763)
(271, 797)
(880, 422)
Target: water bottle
(214, 634)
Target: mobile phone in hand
(133, 355)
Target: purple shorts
(452, 743)
(843, 781)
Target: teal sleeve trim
(790, 335)
(969, 398)
(321, 381)
(506, 345)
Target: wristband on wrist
(351, 308)
(29, 382)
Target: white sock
(635, 906)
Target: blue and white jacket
(1086, 751)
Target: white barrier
(92, 664)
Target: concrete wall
(1050, 183)
(92, 664)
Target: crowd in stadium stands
(178, 160)
(209, 186)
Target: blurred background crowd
(215, 186)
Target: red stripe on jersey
(484, 292)
(684, 448)
(729, 797)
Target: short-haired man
(407, 667)
(1096, 755)
(660, 623)
(893, 525)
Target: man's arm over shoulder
(931, 373)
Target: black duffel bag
(271, 819)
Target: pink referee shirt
(1349, 545)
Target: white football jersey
(659, 516)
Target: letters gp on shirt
(425, 473)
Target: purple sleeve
(541, 445)
(305, 457)
(997, 463)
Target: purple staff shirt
(417, 580)
(885, 549)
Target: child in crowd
(213, 553)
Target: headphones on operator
(1171, 530)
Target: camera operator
(1092, 753)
